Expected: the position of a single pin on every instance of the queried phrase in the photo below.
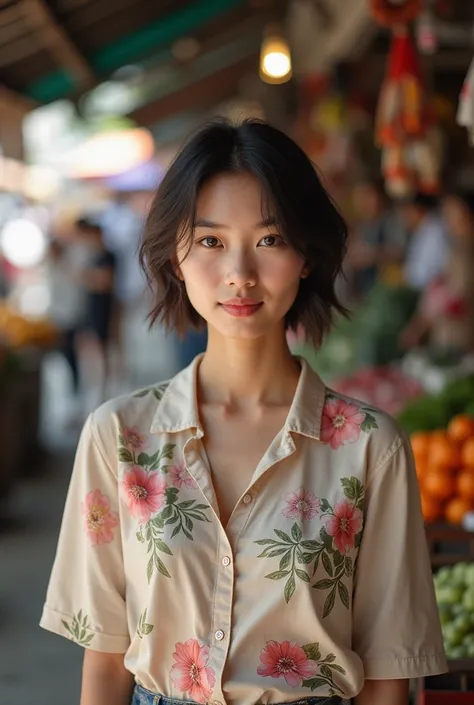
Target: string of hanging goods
(405, 123)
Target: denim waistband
(142, 696)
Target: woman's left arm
(388, 692)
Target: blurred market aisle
(36, 666)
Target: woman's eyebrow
(204, 223)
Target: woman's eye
(269, 241)
(209, 242)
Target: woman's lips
(241, 308)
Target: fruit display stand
(23, 343)
(453, 688)
(449, 544)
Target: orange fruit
(421, 467)
(460, 428)
(431, 508)
(456, 509)
(438, 483)
(467, 453)
(465, 484)
(444, 453)
(420, 443)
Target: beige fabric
(284, 605)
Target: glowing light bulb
(275, 59)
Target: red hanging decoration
(404, 123)
(390, 13)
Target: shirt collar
(178, 409)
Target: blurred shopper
(98, 280)
(428, 245)
(188, 496)
(122, 227)
(379, 237)
(66, 304)
(445, 317)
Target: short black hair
(292, 194)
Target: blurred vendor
(379, 237)
(428, 246)
(98, 279)
(445, 317)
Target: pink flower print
(288, 660)
(134, 438)
(99, 519)
(344, 525)
(301, 504)
(180, 477)
(341, 423)
(144, 493)
(190, 673)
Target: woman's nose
(240, 272)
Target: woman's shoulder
(127, 417)
(352, 420)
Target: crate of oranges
(445, 468)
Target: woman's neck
(243, 373)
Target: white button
(247, 498)
(216, 702)
(219, 635)
(226, 560)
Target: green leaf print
(143, 459)
(329, 551)
(286, 561)
(343, 594)
(353, 488)
(143, 628)
(312, 651)
(125, 456)
(302, 575)
(171, 495)
(290, 588)
(323, 584)
(369, 422)
(296, 532)
(326, 667)
(327, 564)
(180, 513)
(278, 574)
(314, 683)
(157, 391)
(329, 602)
(79, 629)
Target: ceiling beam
(56, 40)
(13, 100)
(218, 86)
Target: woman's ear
(177, 269)
(304, 272)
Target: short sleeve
(396, 629)
(86, 594)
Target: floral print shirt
(320, 580)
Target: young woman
(241, 534)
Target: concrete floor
(37, 667)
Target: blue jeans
(142, 696)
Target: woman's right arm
(105, 679)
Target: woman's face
(239, 275)
(458, 219)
